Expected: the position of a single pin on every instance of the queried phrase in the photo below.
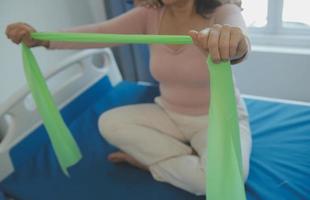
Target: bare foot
(119, 157)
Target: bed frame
(18, 116)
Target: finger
(14, 35)
(11, 26)
(21, 35)
(224, 43)
(15, 41)
(11, 30)
(213, 44)
(235, 38)
(7, 31)
(242, 48)
(17, 31)
(204, 38)
(194, 36)
(27, 39)
(27, 27)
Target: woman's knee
(108, 123)
(186, 172)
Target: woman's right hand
(21, 32)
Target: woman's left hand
(222, 42)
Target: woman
(168, 136)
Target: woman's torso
(180, 70)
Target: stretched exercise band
(224, 163)
(113, 38)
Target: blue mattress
(280, 162)
(1, 195)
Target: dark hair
(204, 7)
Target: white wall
(276, 72)
(44, 15)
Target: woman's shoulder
(142, 14)
(148, 16)
(152, 15)
(147, 11)
(227, 7)
(236, 2)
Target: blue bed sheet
(280, 162)
(1, 195)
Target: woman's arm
(132, 22)
(227, 38)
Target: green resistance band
(224, 165)
(66, 149)
(224, 162)
(113, 38)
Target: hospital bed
(280, 160)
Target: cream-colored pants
(165, 141)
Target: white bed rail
(18, 116)
(270, 99)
